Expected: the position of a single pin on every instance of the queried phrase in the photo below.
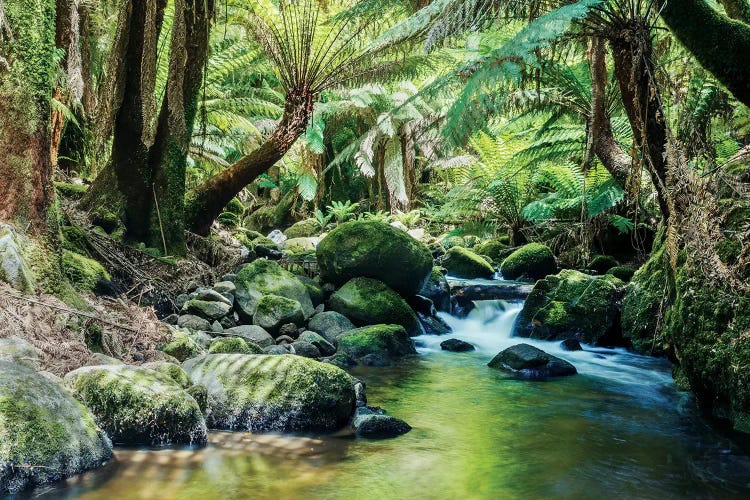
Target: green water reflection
(476, 435)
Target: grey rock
(305, 349)
(325, 347)
(20, 351)
(251, 333)
(527, 361)
(207, 309)
(330, 325)
(193, 322)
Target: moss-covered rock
(383, 341)
(71, 191)
(135, 405)
(14, 268)
(45, 434)
(463, 263)
(274, 311)
(83, 272)
(265, 277)
(182, 346)
(303, 229)
(573, 305)
(18, 350)
(209, 309)
(367, 301)
(645, 304)
(625, 273)
(602, 263)
(437, 290)
(533, 261)
(495, 249)
(171, 370)
(283, 393)
(375, 250)
(252, 334)
(233, 345)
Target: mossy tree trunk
(26, 79)
(719, 43)
(206, 202)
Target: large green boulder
(367, 301)
(374, 250)
(496, 248)
(573, 305)
(263, 393)
(273, 312)
(182, 346)
(463, 263)
(83, 272)
(303, 229)
(45, 434)
(265, 277)
(602, 263)
(382, 341)
(136, 405)
(533, 261)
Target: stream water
(620, 428)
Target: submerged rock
(533, 261)
(45, 434)
(136, 405)
(573, 305)
(263, 393)
(374, 250)
(382, 341)
(527, 361)
(456, 345)
(367, 301)
(571, 345)
(463, 263)
(371, 425)
(264, 277)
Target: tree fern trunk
(206, 202)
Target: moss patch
(533, 261)
(463, 263)
(233, 345)
(83, 272)
(385, 340)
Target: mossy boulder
(573, 305)
(375, 250)
(83, 272)
(645, 304)
(367, 301)
(274, 311)
(136, 405)
(193, 322)
(437, 290)
(265, 277)
(18, 350)
(171, 370)
(496, 249)
(463, 263)
(207, 309)
(382, 341)
(625, 273)
(263, 393)
(533, 261)
(330, 324)
(45, 434)
(602, 263)
(182, 346)
(303, 229)
(233, 345)
(70, 190)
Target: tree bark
(613, 157)
(168, 155)
(206, 202)
(719, 43)
(26, 188)
(634, 70)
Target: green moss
(375, 250)
(602, 263)
(265, 277)
(273, 393)
(463, 263)
(71, 191)
(74, 239)
(274, 311)
(83, 272)
(495, 248)
(235, 206)
(367, 301)
(728, 250)
(385, 340)
(533, 261)
(171, 370)
(233, 345)
(625, 273)
(303, 229)
(138, 406)
(182, 346)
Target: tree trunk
(720, 44)
(737, 9)
(634, 70)
(168, 156)
(206, 202)
(26, 188)
(615, 160)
